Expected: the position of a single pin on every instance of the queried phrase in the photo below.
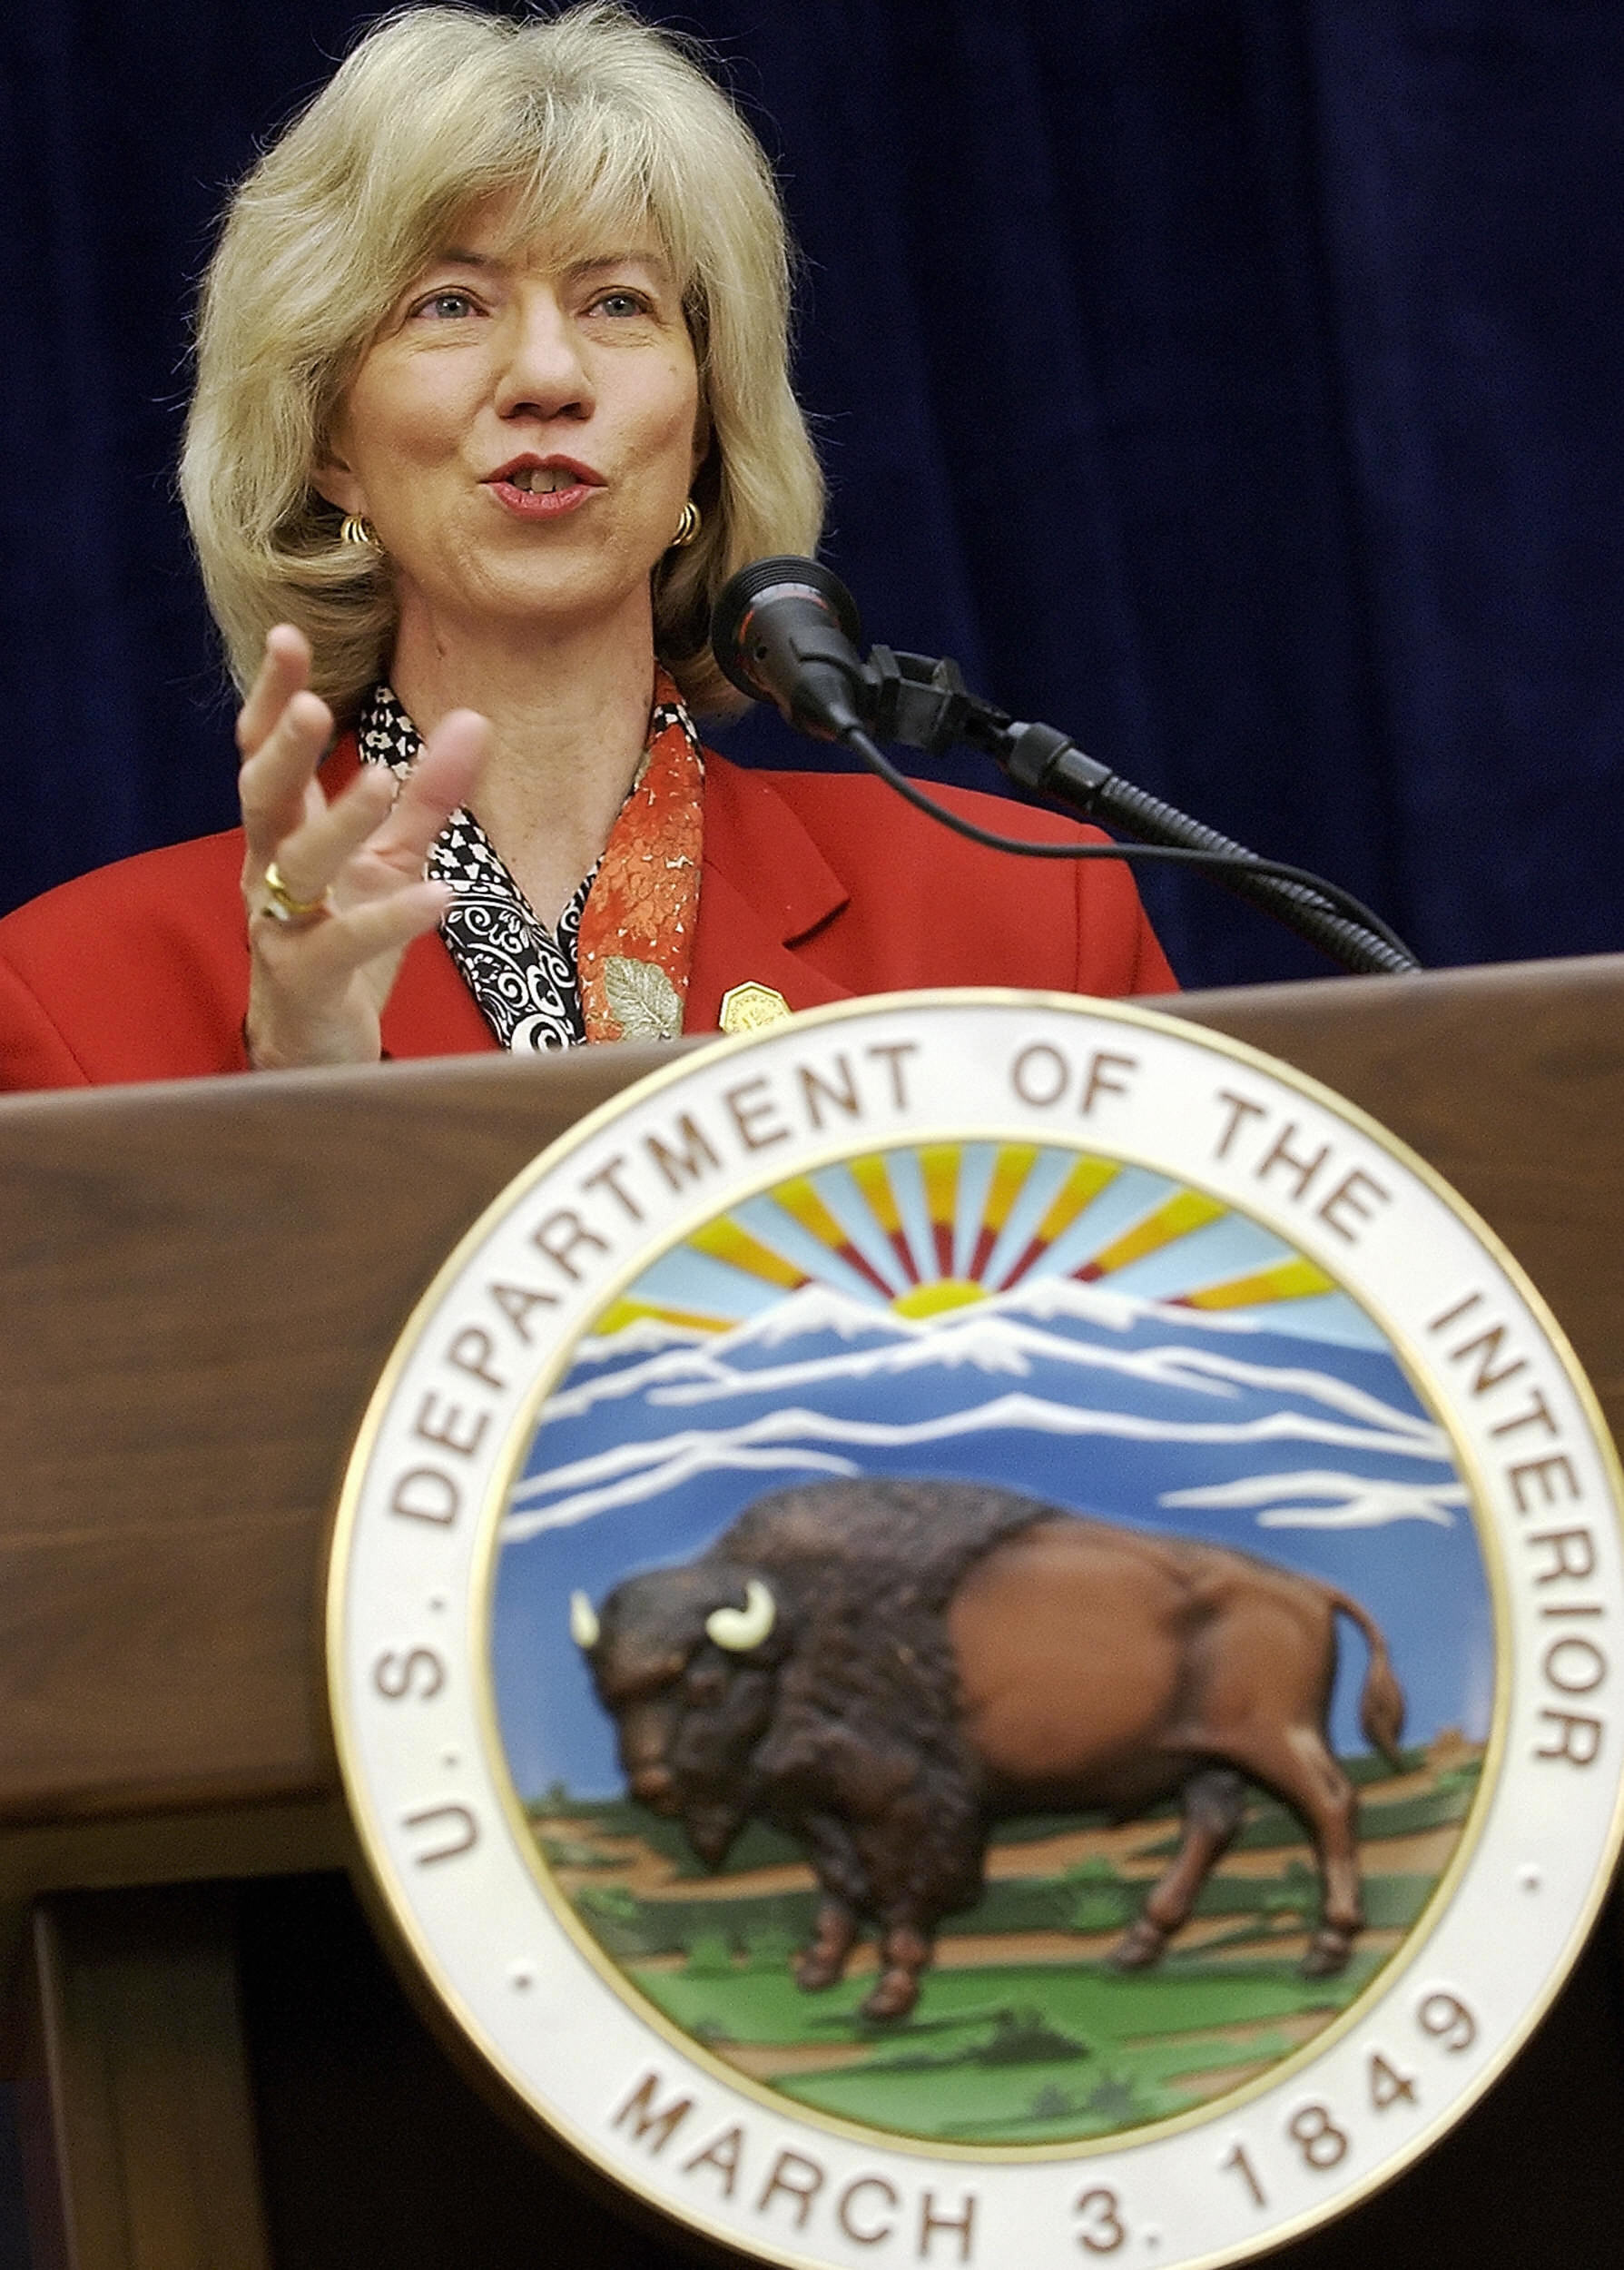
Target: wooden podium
(198, 1287)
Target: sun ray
(1015, 1163)
(939, 1170)
(805, 1204)
(874, 1184)
(723, 1240)
(622, 1313)
(839, 1191)
(908, 1187)
(1296, 1280)
(1081, 1187)
(1175, 1218)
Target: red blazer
(820, 885)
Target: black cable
(1394, 957)
(786, 630)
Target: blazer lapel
(431, 1012)
(766, 886)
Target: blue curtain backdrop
(1232, 382)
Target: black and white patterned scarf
(522, 975)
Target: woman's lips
(542, 492)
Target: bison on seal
(881, 1668)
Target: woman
(492, 398)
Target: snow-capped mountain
(822, 1384)
(1014, 1333)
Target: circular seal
(980, 1628)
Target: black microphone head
(736, 601)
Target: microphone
(786, 630)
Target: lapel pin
(747, 1008)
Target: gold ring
(283, 907)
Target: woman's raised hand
(346, 894)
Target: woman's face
(522, 436)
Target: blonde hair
(586, 120)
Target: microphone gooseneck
(786, 630)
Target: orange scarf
(635, 947)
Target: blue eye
(620, 303)
(449, 306)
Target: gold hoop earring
(687, 527)
(353, 529)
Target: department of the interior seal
(982, 1629)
